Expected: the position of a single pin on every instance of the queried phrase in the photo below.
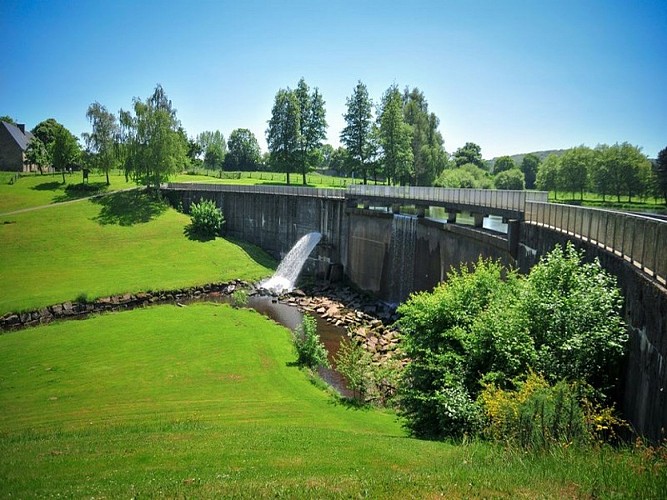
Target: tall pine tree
(357, 135)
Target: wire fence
(638, 239)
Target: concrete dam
(392, 241)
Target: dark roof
(21, 139)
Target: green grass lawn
(203, 402)
(35, 190)
(313, 179)
(610, 201)
(121, 243)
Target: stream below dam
(290, 317)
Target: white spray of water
(285, 277)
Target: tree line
(394, 141)
(147, 142)
(617, 170)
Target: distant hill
(519, 158)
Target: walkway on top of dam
(504, 203)
(637, 239)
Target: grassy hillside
(518, 158)
(124, 242)
(35, 190)
(203, 402)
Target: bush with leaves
(239, 298)
(353, 363)
(490, 326)
(310, 351)
(510, 179)
(539, 415)
(207, 219)
(434, 393)
(369, 381)
(575, 319)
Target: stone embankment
(367, 321)
(82, 309)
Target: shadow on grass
(48, 186)
(195, 235)
(76, 191)
(255, 253)
(127, 208)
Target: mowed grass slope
(37, 190)
(124, 242)
(203, 402)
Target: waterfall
(284, 279)
(402, 257)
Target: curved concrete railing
(260, 189)
(635, 238)
(504, 202)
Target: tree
(214, 147)
(637, 170)
(503, 164)
(575, 166)
(466, 176)
(46, 130)
(469, 153)
(510, 179)
(427, 143)
(101, 141)
(36, 154)
(396, 137)
(155, 148)
(7, 119)
(282, 135)
(356, 135)
(244, 152)
(601, 181)
(621, 169)
(312, 126)
(194, 152)
(660, 168)
(65, 150)
(548, 175)
(436, 329)
(341, 163)
(529, 166)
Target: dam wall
(393, 254)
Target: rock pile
(71, 310)
(367, 321)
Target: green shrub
(369, 381)
(576, 323)
(538, 415)
(490, 326)
(510, 179)
(310, 351)
(353, 363)
(207, 219)
(239, 298)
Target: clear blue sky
(512, 76)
